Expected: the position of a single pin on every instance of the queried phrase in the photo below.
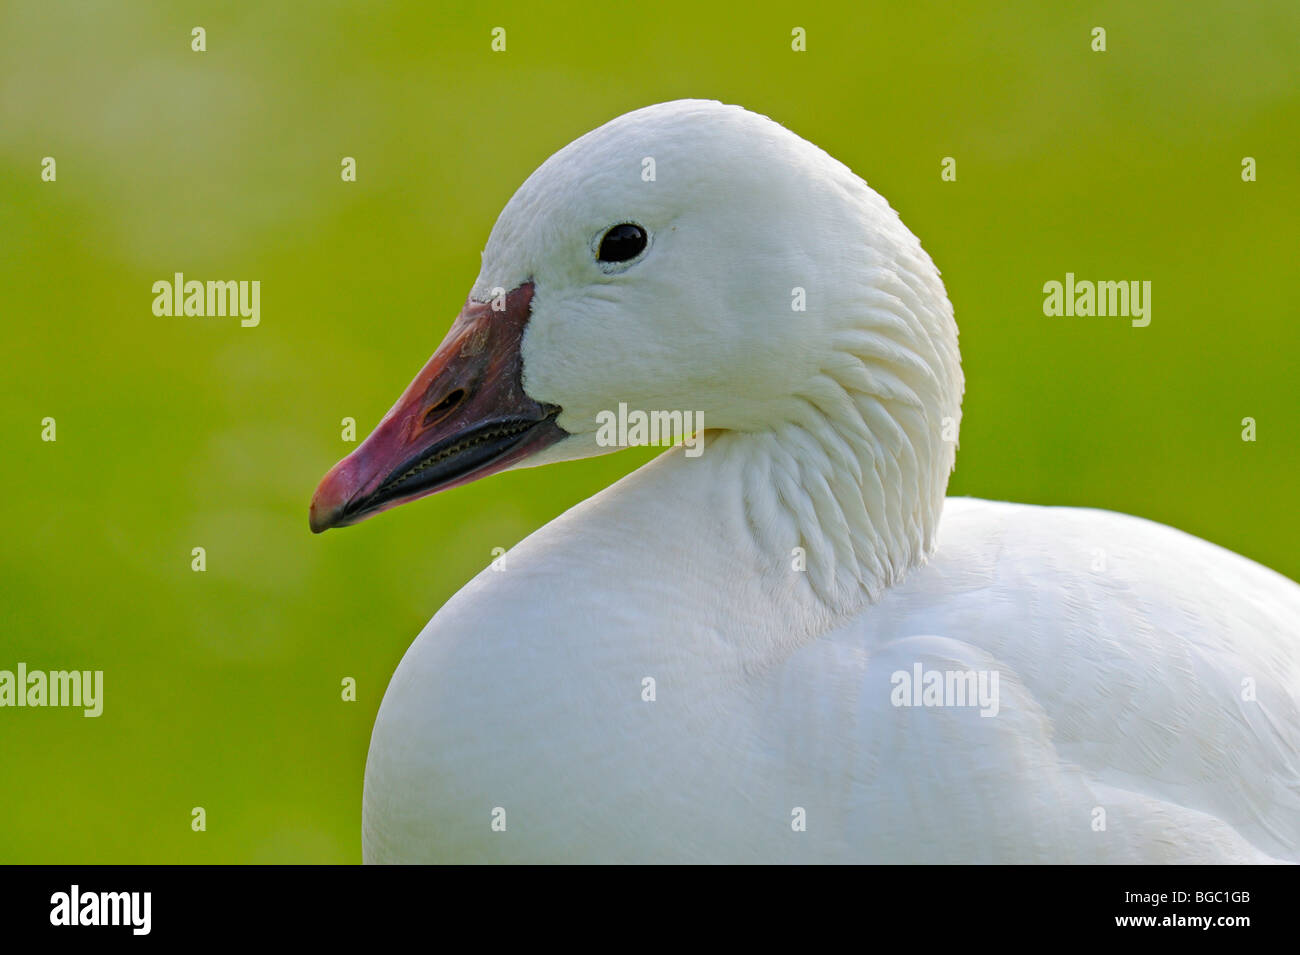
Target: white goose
(781, 588)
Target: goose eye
(622, 242)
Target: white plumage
(773, 587)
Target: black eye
(622, 242)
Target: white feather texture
(773, 587)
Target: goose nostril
(444, 406)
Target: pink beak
(465, 416)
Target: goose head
(688, 256)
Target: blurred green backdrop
(222, 689)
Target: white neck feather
(812, 519)
(856, 476)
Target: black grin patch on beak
(452, 459)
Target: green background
(223, 688)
